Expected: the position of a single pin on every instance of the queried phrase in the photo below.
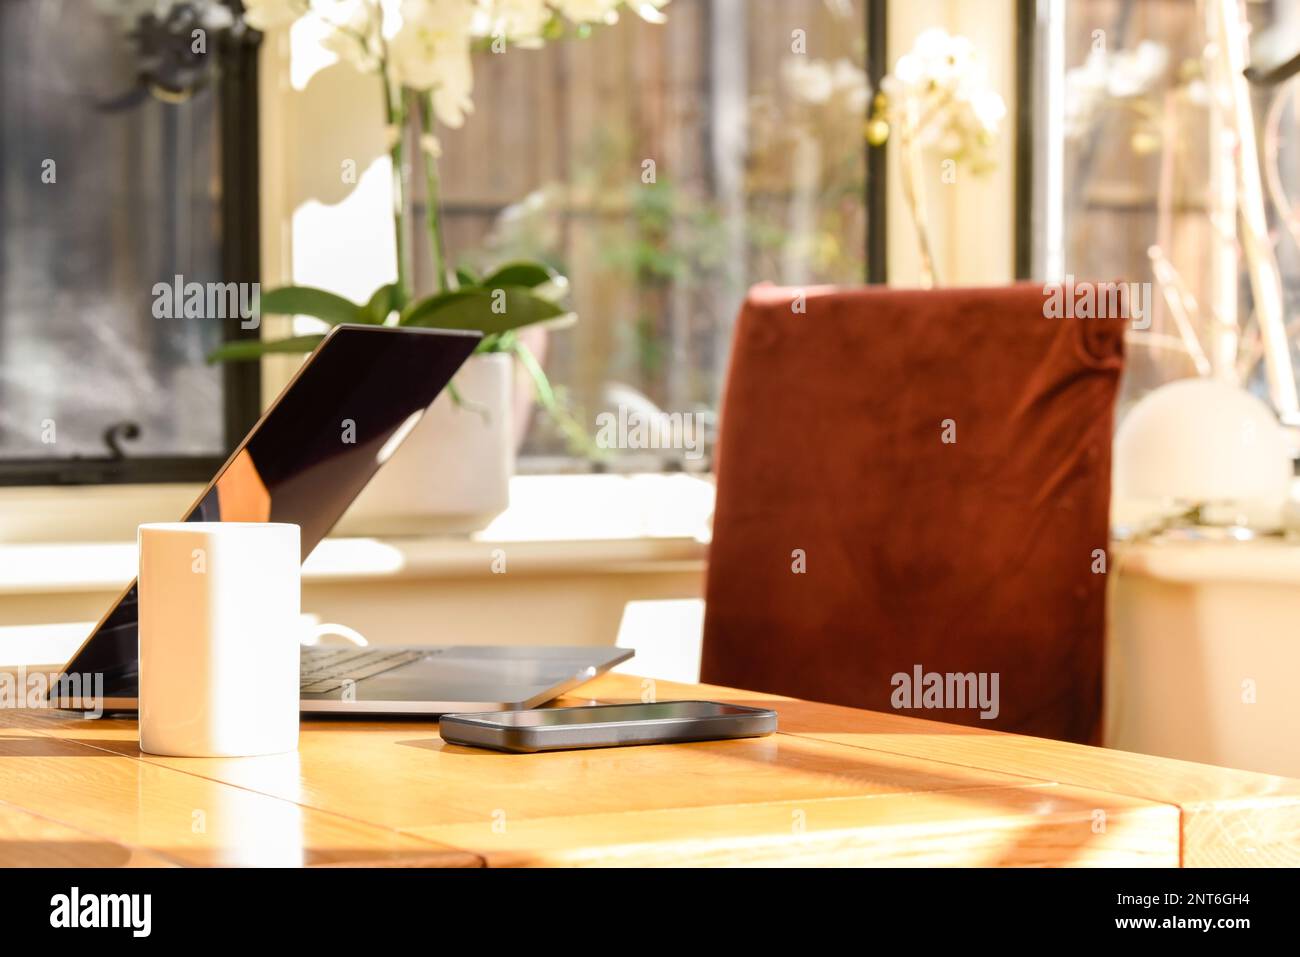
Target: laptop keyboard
(326, 669)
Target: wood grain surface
(835, 786)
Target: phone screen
(608, 713)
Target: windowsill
(1264, 561)
(596, 524)
(587, 527)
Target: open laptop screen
(307, 459)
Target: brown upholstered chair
(974, 555)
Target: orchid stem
(914, 193)
(396, 113)
(432, 204)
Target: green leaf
(555, 27)
(526, 274)
(239, 350)
(574, 434)
(465, 276)
(308, 301)
(417, 310)
(473, 309)
(380, 305)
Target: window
(1128, 183)
(664, 169)
(123, 163)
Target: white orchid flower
(589, 11)
(426, 45)
(430, 50)
(521, 22)
(1105, 76)
(941, 87)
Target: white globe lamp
(1201, 444)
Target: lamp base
(1196, 524)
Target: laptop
(376, 381)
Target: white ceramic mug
(218, 609)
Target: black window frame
(877, 29)
(240, 257)
(1026, 57)
(1029, 15)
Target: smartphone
(606, 725)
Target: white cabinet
(1203, 653)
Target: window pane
(102, 195)
(1143, 181)
(664, 169)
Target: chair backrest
(916, 483)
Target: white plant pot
(452, 474)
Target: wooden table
(835, 786)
